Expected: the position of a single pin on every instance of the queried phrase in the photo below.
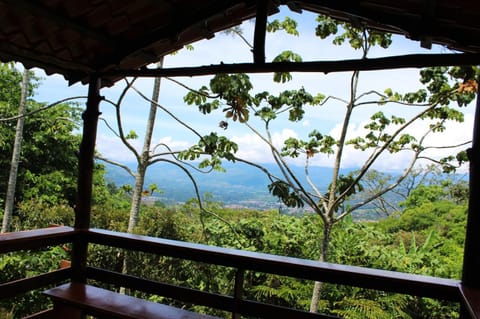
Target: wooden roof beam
(394, 62)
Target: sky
(225, 48)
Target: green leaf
(288, 25)
(285, 56)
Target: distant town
(241, 187)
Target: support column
(260, 30)
(85, 178)
(471, 259)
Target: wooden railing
(34, 239)
(424, 286)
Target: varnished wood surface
(187, 295)
(416, 285)
(31, 239)
(12, 288)
(46, 314)
(97, 301)
(471, 300)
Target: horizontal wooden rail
(38, 238)
(34, 239)
(46, 314)
(197, 297)
(425, 286)
(158, 288)
(417, 285)
(12, 288)
(392, 62)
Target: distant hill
(241, 186)
(238, 184)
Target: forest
(422, 232)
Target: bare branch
(16, 117)
(156, 158)
(193, 90)
(125, 167)
(109, 126)
(168, 112)
(322, 199)
(238, 33)
(402, 177)
(197, 193)
(373, 157)
(121, 133)
(333, 201)
(288, 174)
(448, 146)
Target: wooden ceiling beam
(191, 18)
(413, 27)
(387, 63)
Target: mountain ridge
(240, 182)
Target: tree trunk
(137, 195)
(317, 288)
(142, 165)
(145, 156)
(17, 148)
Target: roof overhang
(78, 38)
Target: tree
(385, 133)
(17, 147)
(387, 204)
(48, 157)
(213, 146)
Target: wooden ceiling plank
(190, 19)
(34, 8)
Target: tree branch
(168, 112)
(16, 117)
(197, 194)
(125, 167)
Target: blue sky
(228, 49)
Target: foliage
(26, 264)
(48, 159)
(423, 236)
(385, 133)
(425, 240)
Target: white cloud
(228, 49)
(253, 148)
(111, 147)
(455, 134)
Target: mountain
(239, 185)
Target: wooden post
(260, 30)
(238, 292)
(471, 259)
(85, 177)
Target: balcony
(240, 261)
(106, 42)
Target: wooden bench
(73, 300)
